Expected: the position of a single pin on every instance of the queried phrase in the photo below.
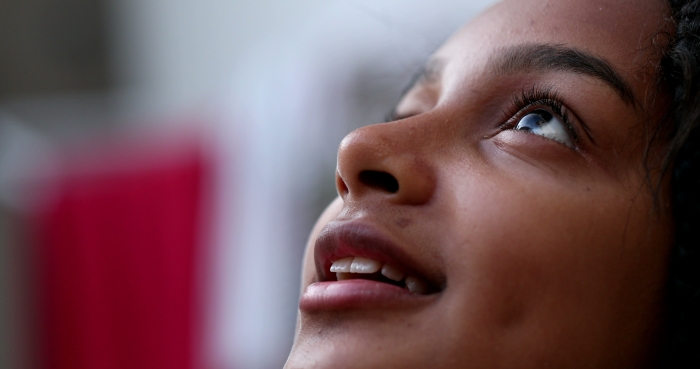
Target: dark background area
(53, 46)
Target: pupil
(533, 120)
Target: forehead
(625, 33)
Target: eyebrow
(535, 57)
(544, 57)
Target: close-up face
(506, 217)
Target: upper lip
(340, 239)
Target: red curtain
(118, 252)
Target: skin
(551, 256)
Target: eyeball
(543, 123)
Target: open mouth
(356, 267)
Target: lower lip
(357, 294)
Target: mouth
(358, 266)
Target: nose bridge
(391, 159)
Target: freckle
(588, 188)
(403, 222)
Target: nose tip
(379, 160)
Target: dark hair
(680, 69)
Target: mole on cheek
(403, 222)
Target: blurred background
(162, 162)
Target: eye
(545, 124)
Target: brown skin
(552, 257)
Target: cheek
(538, 254)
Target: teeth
(342, 265)
(392, 273)
(344, 268)
(415, 285)
(364, 266)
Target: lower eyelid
(532, 144)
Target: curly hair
(680, 69)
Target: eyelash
(533, 98)
(524, 103)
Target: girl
(533, 203)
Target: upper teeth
(342, 265)
(356, 264)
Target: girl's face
(509, 196)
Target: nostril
(380, 180)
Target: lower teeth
(415, 285)
(412, 284)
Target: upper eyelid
(538, 105)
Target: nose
(388, 160)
